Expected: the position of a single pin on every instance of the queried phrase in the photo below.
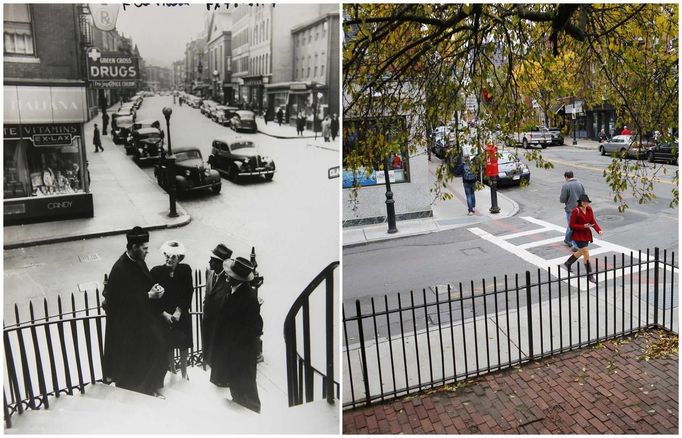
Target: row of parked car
(234, 158)
(631, 146)
(231, 116)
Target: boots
(590, 275)
(569, 262)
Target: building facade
(45, 107)
(196, 73)
(158, 78)
(219, 48)
(178, 75)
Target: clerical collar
(132, 259)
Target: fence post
(363, 354)
(530, 317)
(656, 259)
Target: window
(322, 70)
(317, 33)
(315, 74)
(18, 32)
(267, 63)
(267, 29)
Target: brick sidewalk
(601, 389)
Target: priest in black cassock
(134, 344)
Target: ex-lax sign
(111, 69)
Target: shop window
(31, 171)
(315, 73)
(18, 33)
(322, 70)
(354, 137)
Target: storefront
(45, 173)
(254, 96)
(277, 96)
(308, 98)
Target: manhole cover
(89, 258)
(610, 218)
(473, 251)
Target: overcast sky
(161, 32)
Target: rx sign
(104, 16)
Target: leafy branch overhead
(423, 61)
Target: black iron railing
(300, 370)
(404, 343)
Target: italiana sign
(111, 69)
(36, 104)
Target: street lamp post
(390, 202)
(170, 166)
(575, 142)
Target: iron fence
(405, 343)
(301, 373)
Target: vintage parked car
(121, 128)
(625, 146)
(147, 145)
(207, 107)
(191, 172)
(238, 157)
(217, 112)
(140, 124)
(244, 120)
(668, 152)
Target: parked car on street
(668, 152)
(147, 145)
(536, 136)
(244, 120)
(121, 128)
(207, 107)
(625, 146)
(191, 172)
(223, 114)
(511, 170)
(557, 137)
(239, 157)
(140, 124)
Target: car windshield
(187, 155)
(124, 120)
(246, 116)
(242, 145)
(150, 135)
(506, 158)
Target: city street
(457, 255)
(291, 221)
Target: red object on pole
(491, 168)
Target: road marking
(583, 166)
(544, 264)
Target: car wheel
(525, 143)
(231, 172)
(269, 177)
(601, 150)
(216, 189)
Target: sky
(161, 32)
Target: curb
(29, 243)
(286, 137)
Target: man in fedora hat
(134, 344)
(217, 289)
(236, 338)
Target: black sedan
(244, 121)
(668, 152)
(238, 158)
(191, 172)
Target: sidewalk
(123, 196)
(273, 129)
(601, 389)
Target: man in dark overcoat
(235, 342)
(217, 288)
(134, 343)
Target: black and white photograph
(171, 218)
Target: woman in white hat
(176, 279)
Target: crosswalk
(599, 246)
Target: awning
(557, 108)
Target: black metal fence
(301, 372)
(404, 343)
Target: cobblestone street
(596, 390)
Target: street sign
(111, 69)
(334, 172)
(104, 16)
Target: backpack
(467, 174)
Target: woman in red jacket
(582, 218)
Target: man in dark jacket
(335, 126)
(96, 140)
(217, 289)
(105, 121)
(238, 326)
(570, 193)
(280, 115)
(134, 343)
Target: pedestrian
(602, 136)
(570, 193)
(335, 126)
(582, 219)
(299, 123)
(326, 129)
(217, 289)
(625, 131)
(105, 122)
(304, 120)
(238, 327)
(280, 115)
(173, 307)
(469, 182)
(96, 140)
(396, 162)
(134, 344)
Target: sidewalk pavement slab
(123, 197)
(273, 129)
